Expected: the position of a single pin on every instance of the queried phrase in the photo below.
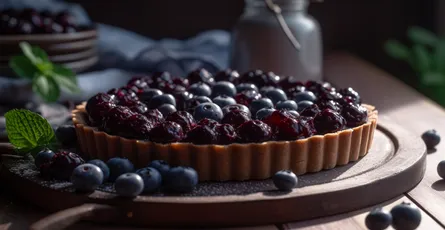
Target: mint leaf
(422, 36)
(27, 130)
(439, 57)
(22, 66)
(397, 50)
(432, 79)
(40, 53)
(47, 88)
(423, 59)
(68, 83)
(27, 51)
(65, 78)
(61, 70)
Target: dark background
(358, 26)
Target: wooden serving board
(394, 165)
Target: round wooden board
(394, 165)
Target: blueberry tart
(288, 125)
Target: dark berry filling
(246, 97)
(226, 134)
(184, 119)
(202, 135)
(329, 121)
(288, 109)
(355, 115)
(235, 118)
(166, 132)
(254, 131)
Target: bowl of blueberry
(58, 33)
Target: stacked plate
(76, 51)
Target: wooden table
(395, 101)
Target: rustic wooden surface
(396, 102)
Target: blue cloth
(123, 53)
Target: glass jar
(259, 42)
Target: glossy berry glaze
(203, 108)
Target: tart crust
(235, 161)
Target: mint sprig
(28, 132)
(48, 79)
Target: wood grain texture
(356, 220)
(403, 105)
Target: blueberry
(43, 157)
(129, 185)
(208, 110)
(276, 95)
(223, 101)
(102, 166)
(87, 177)
(159, 100)
(223, 88)
(304, 96)
(245, 86)
(195, 101)
(431, 138)
(441, 169)
(152, 179)
(181, 179)
(303, 105)
(119, 166)
(294, 113)
(167, 109)
(266, 89)
(262, 113)
(200, 89)
(148, 94)
(405, 216)
(229, 108)
(285, 180)
(378, 219)
(66, 135)
(287, 105)
(261, 103)
(160, 165)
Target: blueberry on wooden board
(43, 157)
(431, 138)
(441, 169)
(129, 185)
(285, 180)
(160, 165)
(102, 166)
(119, 166)
(152, 179)
(181, 179)
(87, 177)
(378, 219)
(405, 216)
